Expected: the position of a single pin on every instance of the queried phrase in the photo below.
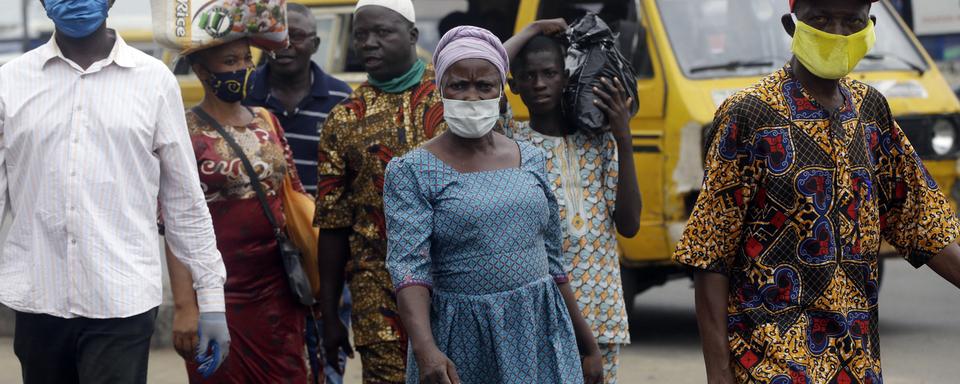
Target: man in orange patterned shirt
(395, 111)
(806, 174)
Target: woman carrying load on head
(267, 324)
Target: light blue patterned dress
(487, 244)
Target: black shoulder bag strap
(291, 257)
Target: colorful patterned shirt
(361, 136)
(795, 202)
(260, 304)
(584, 171)
(359, 139)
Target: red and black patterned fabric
(266, 324)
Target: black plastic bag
(593, 53)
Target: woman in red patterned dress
(266, 322)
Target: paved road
(920, 328)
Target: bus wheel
(638, 280)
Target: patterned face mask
(231, 87)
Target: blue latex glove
(215, 339)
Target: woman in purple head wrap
(473, 241)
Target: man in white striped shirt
(92, 136)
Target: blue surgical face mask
(77, 18)
(230, 87)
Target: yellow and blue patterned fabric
(488, 246)
(583, 170)
(795, 202)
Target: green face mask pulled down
(406, 81)
(831, 56)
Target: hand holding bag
(593, 53)
(291, 256)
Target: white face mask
(471, 119)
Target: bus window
(436, 17)
(333, 28)
(622, 16)
(329, 28)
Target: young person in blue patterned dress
(473, 234)
(584, 172)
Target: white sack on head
(191, 25)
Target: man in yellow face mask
(806, 175)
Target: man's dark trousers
(54, 350)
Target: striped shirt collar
(121, 54)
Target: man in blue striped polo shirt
(298, 92)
